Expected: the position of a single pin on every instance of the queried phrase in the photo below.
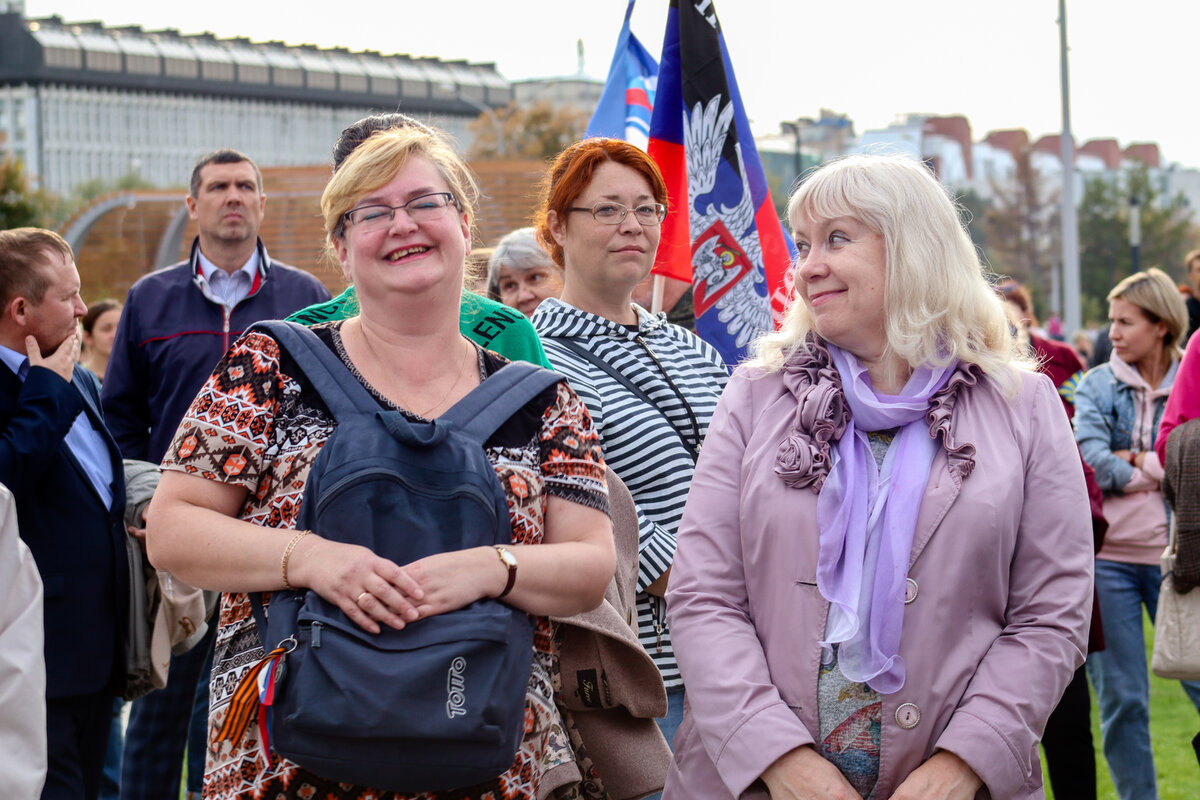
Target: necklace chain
(461, 369)
(457, 380)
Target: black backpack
(440, 704)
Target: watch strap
(502, 551)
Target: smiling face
(1135, 339)
(840, 277)
(406, 256)
(607, 259)
(525, 289)
(228, 206)
(54, 317)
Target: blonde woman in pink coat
(883, 581)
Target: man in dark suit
(64, 470)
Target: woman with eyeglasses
(651, 386)
(398, 218)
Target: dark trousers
(1070, 754)
(159, 724)
(110, 779)
(76, 738)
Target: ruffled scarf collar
(803, 459)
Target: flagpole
(656, 299)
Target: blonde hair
(373, 165)
(938, 305)
(1156, 295)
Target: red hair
(572, 172)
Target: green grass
(1173, 723)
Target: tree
(538, 131)
(20, 205)
(1105, 255)
(88, 191)
(972, 210)
(1021, 228)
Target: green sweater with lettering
(491, 325)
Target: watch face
(508, 558)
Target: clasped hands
(803, 774)
(374, 591)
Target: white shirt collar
(208, 269)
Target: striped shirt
(645, 445)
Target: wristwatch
(510, 563)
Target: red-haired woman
(651, 386)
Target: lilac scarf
(867, 517)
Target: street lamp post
(1072, 315)
(796, 128)
(1135, 232)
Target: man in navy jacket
(176, 325)
(64, 470)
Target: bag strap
(324, 370)
(478, 415)
(344, 398)
(634, 389)
(490, 404)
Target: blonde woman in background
(1117, 409)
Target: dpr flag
(727, 240)
(624, 108)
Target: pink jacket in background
(1000, 580)
(1184, 401)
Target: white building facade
(83, 101)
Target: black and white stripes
(684, 377)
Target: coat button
(910, 591)
(908, 715)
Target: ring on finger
(358, 600)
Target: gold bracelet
(287, 553)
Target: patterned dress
(256, 426)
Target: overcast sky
(1132, 65)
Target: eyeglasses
(420, 209)
(610, 213)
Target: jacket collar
(264, 269)
(1128, 375)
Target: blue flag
(624, 108)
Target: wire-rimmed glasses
(607, 212)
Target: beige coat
(611, 689)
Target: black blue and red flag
(722, 234)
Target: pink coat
(1184, 401)
(1001, 570)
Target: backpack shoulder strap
(492, 402)
(324, 370)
